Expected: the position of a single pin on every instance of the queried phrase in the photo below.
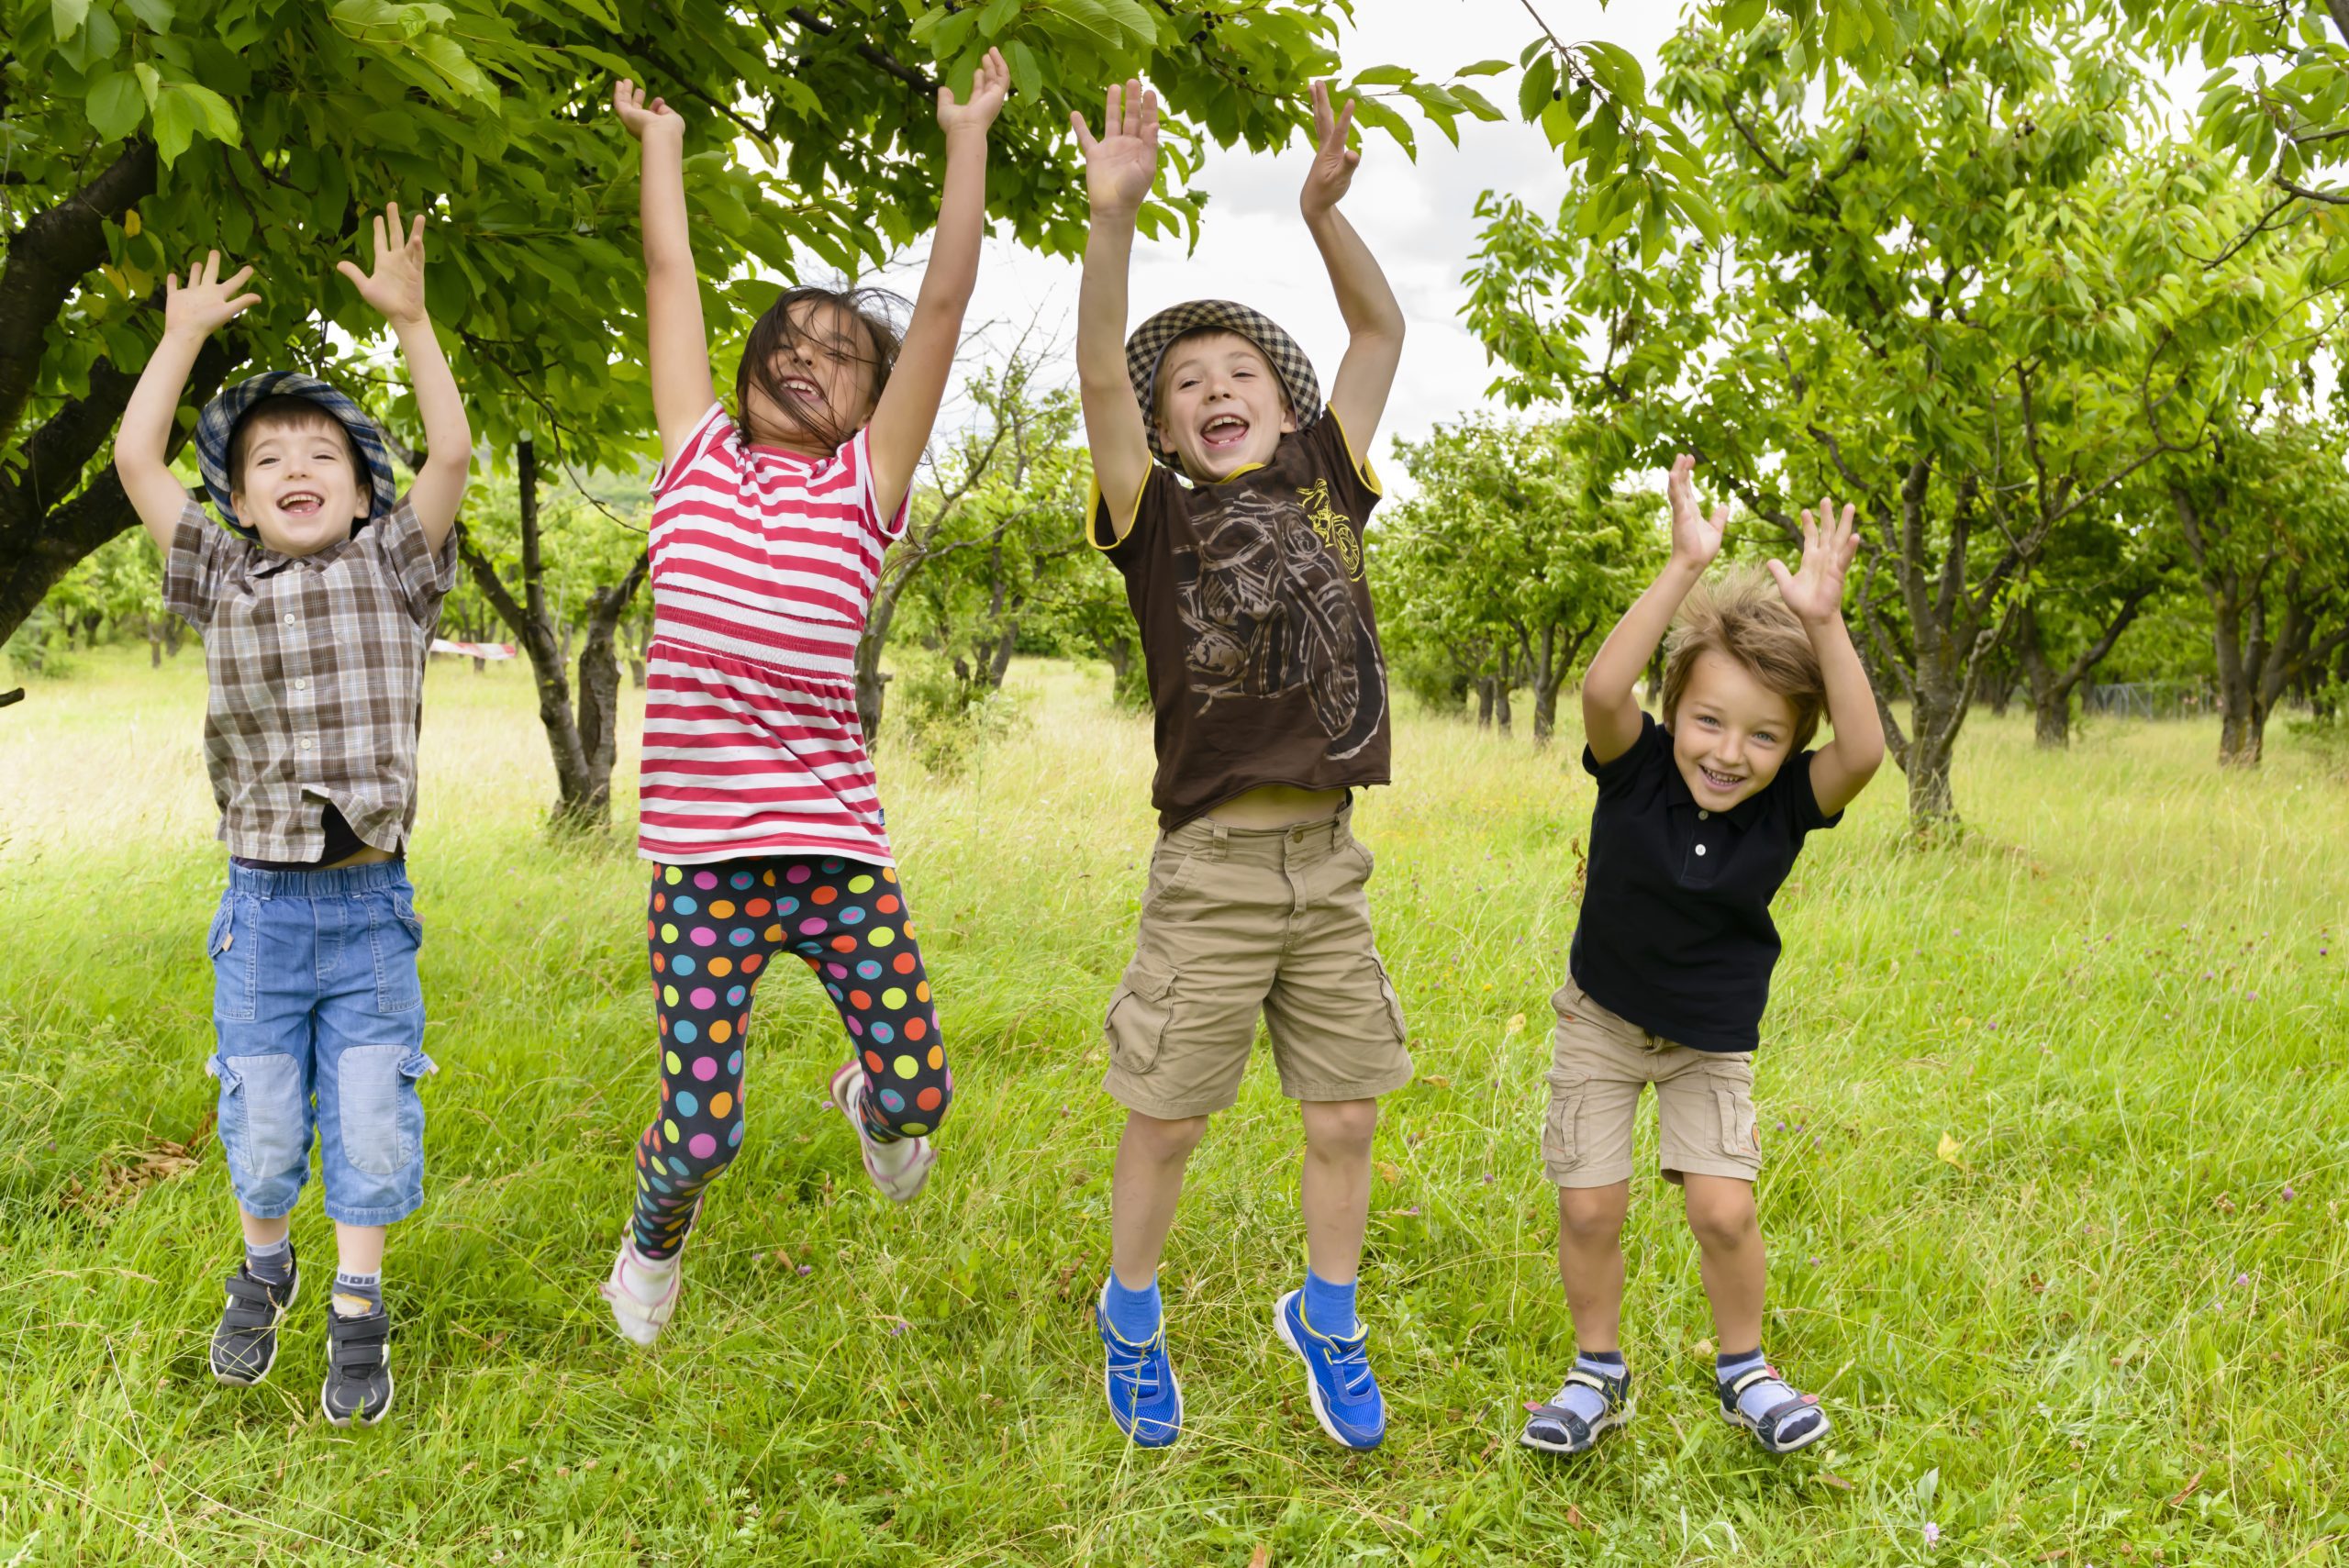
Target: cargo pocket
(395, 933)
(234, 947)
(383, 1116)
(1562, 1129)
(1740, 1137)
(264, 1122)
(1394, 1003)
(1138, 1013)
(1167, 879)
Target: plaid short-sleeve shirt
(316, 673)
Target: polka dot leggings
(713, 930)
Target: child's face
(1731, 733)
(298, 489)
(1220, 408)
(824, 375)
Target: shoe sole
(1598, 1428)
(1313, 1385)
(357, 1418)
(1109, 1395)
(225, 1381)
(1804, 1442)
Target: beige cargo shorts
(1600, 1063)
(1238, 923)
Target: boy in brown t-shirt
(1232, 501)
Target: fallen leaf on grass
(1436, 1079)
(1262, 1557)
(1517, 1023)
(1573, 1517)
(1949, 1151)
(119, 1182)
(1836, 1481)
(2188, 1490)
(1388, 1172)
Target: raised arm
(678, 352)
(1610, 712)
(192, 311)
(908, 405)
(395, 289)
(1119, 166)
(1374, 321)
(1841, 768)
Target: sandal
(1769, 1429)
(1553, 1428)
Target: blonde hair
(1742, 614)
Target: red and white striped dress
(763, 565)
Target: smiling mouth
(1223, 432)
(799, 387)
(301, 503)
(1723, 782)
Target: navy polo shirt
(1675, 932)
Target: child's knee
(1720, 1214)
(1593, 1213)
(1164, 1137)
(1339, 1128)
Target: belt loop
(1222, 842)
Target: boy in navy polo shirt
(1699, 820)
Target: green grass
(2095, 1330)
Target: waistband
(337, 882)
(1303, 842)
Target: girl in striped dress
(758, 808)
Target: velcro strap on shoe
(1745, 1380)
(1590, 1380)
(1577, 1429)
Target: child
(1699, 820)
(316, 607)
(1242, 551)
(757, 805)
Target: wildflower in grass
(2243, 1279)
(1932, 1535)
(2289, 1194)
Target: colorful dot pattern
(713, 930)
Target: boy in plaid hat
(1232, 501)
(316, 603)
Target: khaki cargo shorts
(1600, 1062)
(1241, 922)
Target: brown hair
(285, 411)
(775, 333)
(1743, 615)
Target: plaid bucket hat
(219, 423)
(1148, 347)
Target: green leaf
(998, 15)
(176, 118)
(214, 116)
(1386, 76)
(157, 14)
(115, 105)
(65, 17)
(1027, 76)
(1536, 89)
(1485, 68)
(1477, 103)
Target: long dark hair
(875, 310)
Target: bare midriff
(1278, 806)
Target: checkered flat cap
(219, 423)
(1151, 340)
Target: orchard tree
(1507, 566)
(140, 133)
(1952, 293)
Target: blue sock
(1328, 1308)
(1580, 1398)
(1133, 1314)
(273, 1264)
(1760, 1396)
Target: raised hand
(396, 288)
(1333, 162)
(1696, 538)
(1123, 161)
(989, 84)
(1830, 544)
(207, 302)
(643, 119)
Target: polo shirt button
(289, 618)
(1702, 815)
(1701, 849)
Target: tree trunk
(173, 629)
(1500, 702)
(2051, 702)
(154, 642)
(582, 742)
(1485, 684)
(1545, 687)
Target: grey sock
(1580, 1398)
(367, 1288)
(273, 1264)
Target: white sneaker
(848, 1093)
(638, 1323)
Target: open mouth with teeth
(800, 389)
(1223, 433)
(301, 503)
(1724, 782)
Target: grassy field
(2057, 1126)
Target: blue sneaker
(1337, 1374)
(1144, 1399)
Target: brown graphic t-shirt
(1256, 624)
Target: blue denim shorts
(320, 1023)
